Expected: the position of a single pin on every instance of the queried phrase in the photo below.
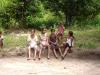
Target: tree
(17, 11)
(73, 9)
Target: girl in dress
(69, 44)
(60, 31)
(44, 42)
(54, 44)
(32, 41)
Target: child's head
(44, 31)
(33, 32)
(70, 33)
(52, 30)
(61, 24)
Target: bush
(48, 21)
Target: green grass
(11, 41)
(88, 39)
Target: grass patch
(11, 41)
(88, 39)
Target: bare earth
(72, 65)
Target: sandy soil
(72, 65)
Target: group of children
(49, 43)
(38, 44)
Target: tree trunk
(68, 20)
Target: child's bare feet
(34, 59)
(28, 59)
(48, 58)
(56, 57)
(62, 58)
(39, 58)
(70, 51)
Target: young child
(69, 43)
(32, 40)
(53, 43)
(60, 30)
(1, 40)
(44, 42)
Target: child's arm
(39, 37)
(73, 42)
(36, 38)
(28, 40)
(65, 40)
(46, 37)
(57, 41)
(2, 38)
(49, 38)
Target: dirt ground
(78, 64)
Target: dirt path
(69, 66)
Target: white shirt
(70, 41)
(32, 41)
(1, 38)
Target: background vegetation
(81, 16)
(39, 13)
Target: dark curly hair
(70, 33)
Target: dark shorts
(53, 46)
(67, 45)
(69, 50)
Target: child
(69, 43)
(53, 43)
(32, 39)
(60, 31)
(1, 40)
(44, 41)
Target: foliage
(74, 9)
(48, 13)
(25, 14)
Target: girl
(69, 44)
(60, 31)
(1, 40)
(44, 42)
(53, 43)
(32, 40)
